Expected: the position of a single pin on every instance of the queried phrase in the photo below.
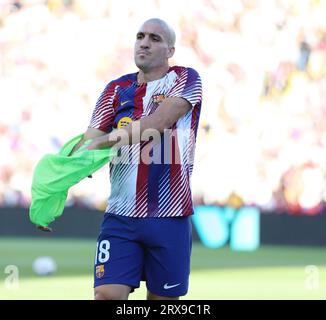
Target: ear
(171, 51)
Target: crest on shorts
(158, 98)
(99, 271)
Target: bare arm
(169, 111)
(90, 133)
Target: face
(152, 49)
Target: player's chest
(136, 102)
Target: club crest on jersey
(99, 271)
(124, 122)
(158, 98)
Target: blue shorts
(156, 250)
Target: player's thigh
(112, 292)
(119, 258)
(152, 296)
(167, 260)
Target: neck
(151, 75)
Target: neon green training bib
(56, 173)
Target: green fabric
(56, 173)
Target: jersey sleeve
(104, 111)
(188, 86)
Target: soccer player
(152, 115)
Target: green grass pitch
(268, 273)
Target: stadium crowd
(262, 137)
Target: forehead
(153, 28)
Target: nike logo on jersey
(166, 286)
(124, 102)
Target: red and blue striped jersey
(151, 179)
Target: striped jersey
(151, 178)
